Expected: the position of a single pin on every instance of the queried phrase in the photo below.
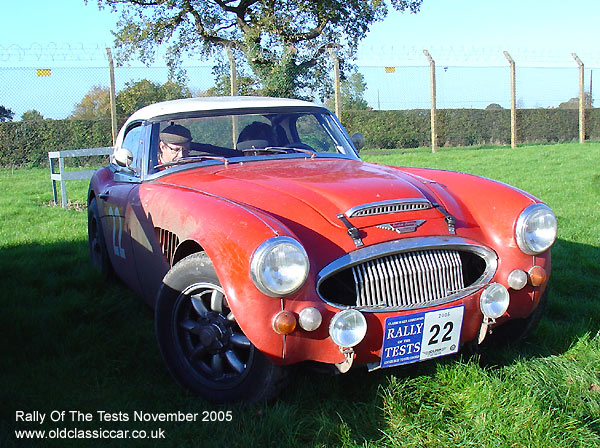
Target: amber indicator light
(284, 322)
(537, 275)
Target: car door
(117, 209)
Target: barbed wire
(472, 56)
(80, 53)
(53, 52)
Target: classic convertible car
(261, 240)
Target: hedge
(27, 143)
(466, 127)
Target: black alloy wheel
(203, 346)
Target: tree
(246, 85)
(494, 106)
(31, 115)
(352, 90)
(284, 42)
(6, 114)
(573, 103)
(138, 94)
(94, 105)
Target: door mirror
(123, 157)
(358, 140)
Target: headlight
(494, 300)
(536, 229)
(348, 328)
(279, 266)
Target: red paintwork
(230, 210)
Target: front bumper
(317, 345)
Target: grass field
(72, 343)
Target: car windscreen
(247, 135)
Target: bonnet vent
(388, 207)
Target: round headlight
(536, 229)
(494, 300)
(348, 328)
(279, 266)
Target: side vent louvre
(168, 243)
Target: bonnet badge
(402, 226)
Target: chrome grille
(388, 207)
(408, 279)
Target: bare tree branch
(309, 35)
(198, 23)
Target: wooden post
(336, 75)
(233, 91)
(433, 101)
(113, 96)
(232, 73)
(581, 99)
(513, 101)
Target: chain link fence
(476, 87)
(54, 92)
(49, 82)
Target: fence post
(513, 101)
(433, 101)
(113, 95)
(232, 72)
(581, 99)
(54, 192)
(336, 75)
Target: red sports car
(261, 240)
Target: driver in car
(174, 143)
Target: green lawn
(71, 342)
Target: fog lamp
(284, 322)
(517, 279)
(494, 300)
(537, 275)
(310, 319)
(348, 328)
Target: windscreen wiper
(305, 151)
(191, 159)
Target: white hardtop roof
(206, 104)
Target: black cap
(175, 134)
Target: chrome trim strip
(389, 207)
(409, 268)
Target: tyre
(96, 243)
(203, 347)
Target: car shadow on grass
(75, 342)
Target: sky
(457, 33)
(453, 27)
(545, 31)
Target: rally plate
(420, 336)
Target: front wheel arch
(185, 249)
(203, 347)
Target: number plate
(420, 336)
